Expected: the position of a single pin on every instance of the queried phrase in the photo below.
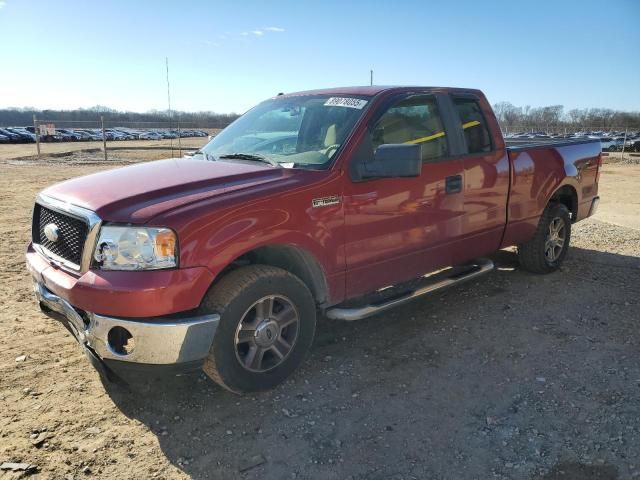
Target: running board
(477, 268)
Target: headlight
(136, 248)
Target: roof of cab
(373, 90)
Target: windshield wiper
(207, 156)
(250, 157)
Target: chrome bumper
(160, 342)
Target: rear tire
(267, 324)
(545, 252)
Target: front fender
(216, 232)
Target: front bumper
(154, 342)
(147, 294)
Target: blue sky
(227, 56)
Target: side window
(415, 120)
(474, 125)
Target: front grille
(71, 238)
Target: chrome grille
(72, 233)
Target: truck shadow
(580, 471)
(423, 390)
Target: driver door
(398, 229)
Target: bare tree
(554, 118)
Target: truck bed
(528, 143)
(542, 166)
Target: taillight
(599, 165)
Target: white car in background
(150, 136)
(608, 144)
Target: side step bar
(477, 268)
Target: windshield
(304, 131)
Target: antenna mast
(166, 59)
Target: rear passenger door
(486, 178)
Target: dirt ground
(514, 376)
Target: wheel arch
(568, 196)
(292, 258)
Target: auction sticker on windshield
(345, 102)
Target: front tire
(267, 324)
(545, 252)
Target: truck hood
(137, 193)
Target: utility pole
(371, 81)
(37, 134)
(179, 137)
(104, 138)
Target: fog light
(120, 341)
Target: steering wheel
(330, 148)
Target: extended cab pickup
(345, 201)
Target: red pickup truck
(345, 201)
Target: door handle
(425, 203)
(453, 184)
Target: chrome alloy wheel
(554, 243)
(267, 333)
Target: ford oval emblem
(52, 232)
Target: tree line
(550, 118)
(555, 118)
(24, 116)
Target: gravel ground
(514, 376)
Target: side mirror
(395, 160)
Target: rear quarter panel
(537, 173)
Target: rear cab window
(474, 125)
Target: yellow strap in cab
(470, 124)
(426, 139)
(473, 123)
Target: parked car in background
(619, 142)
(68, 135)
(608, 144)
(125, 134)
(632, 145)
(55, 137)
(88, 134)
(4, 139)
(167, 134)
(13, 137)
(150, 136)
(24, 134)
(196, 133)
(84, 136)
(96, 132)
(111, 133)
(115, 134)
(107, 135)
